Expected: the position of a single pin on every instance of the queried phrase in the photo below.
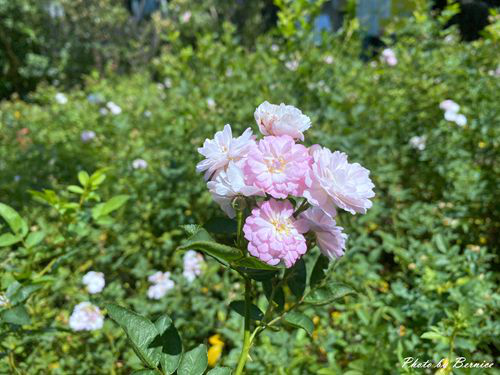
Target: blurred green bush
(423, 259)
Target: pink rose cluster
(275, 171)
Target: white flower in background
(87, 135)
(451, 112)
(61, 98)
(495, 73)
(211, 103)
(461, 120)
(292, 65)
(185, 17)
(4, 301)
(329, 237)
(147, 114)
(223, 149)
(418, 142)
(168, 83)
(114, 108)
(328, 59)
(17, 178)
(161, 284)
(227, 185)
(193, 263)
(449, 105)
(103, 111)
(86, 317)
(275, 48)
(229, 72)
(389, 57)
(281, 120)
(94, 281)
(139, 164)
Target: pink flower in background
(227, 185)
(278, 166)
(329, 237)
(333, 182)
(274, 234)
(139, 164)
(281, 120)
(161, 284)
(193, 263)
(86, 317)
(389, 57)
(223, 149)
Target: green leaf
(14, 220)
(83, 177)
(328, 294)
(75, 189)
(297, 278)
(259, 275)
(16, 315)
(106, 208)
(169, 341)
(300, 320)
(221, 225)
(202, 241)
(318, 273)
(220, 371)
(34, 238)
(434, 336)
(253, 263)
(140, 331)
(145, 372)
(20, 293)
(8, 239)
(239, 307)
(194, 362)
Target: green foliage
(418, 277)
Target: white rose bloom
(193, 263)
(461, 120)
(139, 164)
(94, 281)
(227, 185)
(86, 317)
(281, 120)
(159, 290)
(450, 116)
(417, 142)
(449, 105)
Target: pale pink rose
(333, 182)
(159, 277)
(278, 166)
(223, 149)
(227, 185)
(281, 120)
(329, 237)
(389, 57)
(273, 234)
(86, 317)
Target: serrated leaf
(14, 220)
(34, 238)
(220, 371)
(328, 294)
(297, 278)
(221, 225)
(194, 362)
(170, 344)
(16, 315)
(8, 239)
(318, 273)
(239, 307)
(253, 263)
(202, 241)
(300, 320)
(140, 331)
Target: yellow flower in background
(17, 115)
(215, 350)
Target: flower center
(275, 165)
(281, 227)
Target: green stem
(303, 206)
(246, 335)
(239, 218)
